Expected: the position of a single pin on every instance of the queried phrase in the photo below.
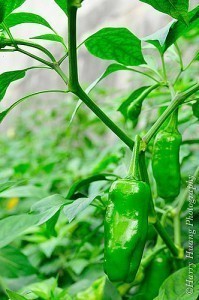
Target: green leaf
(50, 37)
(52, 202)
(110, 69)
(7, 78)
(7, 6)
(110, 291)
(178, 9)
(14, 296)
(86, 181)
(14, 264)
(100, 289)
(170, 290)
(117, 44)
(41, 212)
(159, 37)
(133, 96)
(44, 289)
(15, 19)
(179, 28)
(14, 226)
(26, 191)
(7, 185)
(50, 224)
(63, 4)
(168, 35)
(73, 209)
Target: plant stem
(9, 34)
(191, 141)
(72, 49)
(144, 74)
(166, 238)
(45, 62)
(62, 59)
(103, 117)
(194, 59)
(164, 68)
(177, 230)
(8, 50)
(146, 261)
(134, 170)
(74, 86)
(180, 57)
(179, 99)
(32, 45)
(152, 216)
(61, 73)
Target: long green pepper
(126, 224)
(165, 160)
(135, 107)
(156, 273)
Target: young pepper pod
(135, 107)
(126, 225)
(165, 160)
(156, 273)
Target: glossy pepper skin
(126, 224)
(156, 273)
(165, 162)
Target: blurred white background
(139, 17)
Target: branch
(74, 85)
(29, 44)
(178, 100)
(104, 118)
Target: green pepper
(134, 110)
(135, 107)
(126, 225)
(165, 160)
(156, 273)
(195, 109)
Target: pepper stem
(173, 122)
(144, 176)
(134, 169)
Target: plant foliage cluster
(57, 165)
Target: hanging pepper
(156, 273)
(135, 107)
(126, 224)
(165, 160)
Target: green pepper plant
(149, 197)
